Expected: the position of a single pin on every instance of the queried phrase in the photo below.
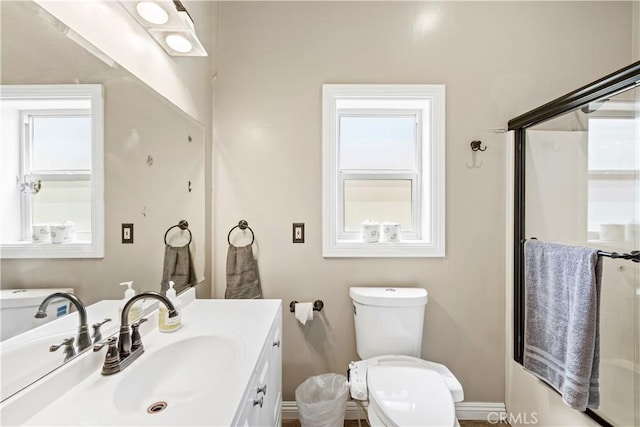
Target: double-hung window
(56, 147)
(383, 163)
(52, 174)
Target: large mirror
(154, 169)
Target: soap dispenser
(134, 311)
(166, 323)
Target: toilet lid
(411, 396)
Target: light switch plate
(298, 232)
(127, 233)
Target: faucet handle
(69, 350)
(97, 335)
(109, 341)
(139, 322)
(136, 340)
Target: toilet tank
(388, 320)
(18, 308)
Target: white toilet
(402, 389)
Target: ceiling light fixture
(152, 12)
(179, 43)
(169, 23)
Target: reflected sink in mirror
(24, 362)
(164, 386)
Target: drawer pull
(276, 343)
(258, 401)
(263, 389)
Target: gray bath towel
(178, 266)
(562, 331)
(243, 280)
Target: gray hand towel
(178, 267)
(562, 332)
(243, 280)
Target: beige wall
(497, 60)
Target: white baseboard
(480, 410)
(464, 410)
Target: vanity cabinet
(262, 400)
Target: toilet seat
(409, 396)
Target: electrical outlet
(298, 232)
(127, 233)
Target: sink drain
(156, 407)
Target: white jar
(63, 233)
(390, 232)
(41, 233)
(612, 232)
(370, 231)
(632, 232)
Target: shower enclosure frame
(623, 79)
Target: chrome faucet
(122, 351)
(84, 340)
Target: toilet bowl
(402, 389)
(405, 391)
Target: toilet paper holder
(317, 305)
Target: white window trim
(94, 249)
(433, 173)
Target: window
(52, 171)
(613, 165)
(383, 161)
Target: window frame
(428, 195)
(81, 249)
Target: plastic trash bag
(322, 400)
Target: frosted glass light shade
(179, 43)
(152, 12)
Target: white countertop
(247, 321)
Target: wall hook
(476, 146)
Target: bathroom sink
(177, 374)
(165, 384)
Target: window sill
(28, 250)
(402, 249)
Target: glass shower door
(583, 188)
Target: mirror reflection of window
(51, 180)
(59, 144)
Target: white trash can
(322, 400)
